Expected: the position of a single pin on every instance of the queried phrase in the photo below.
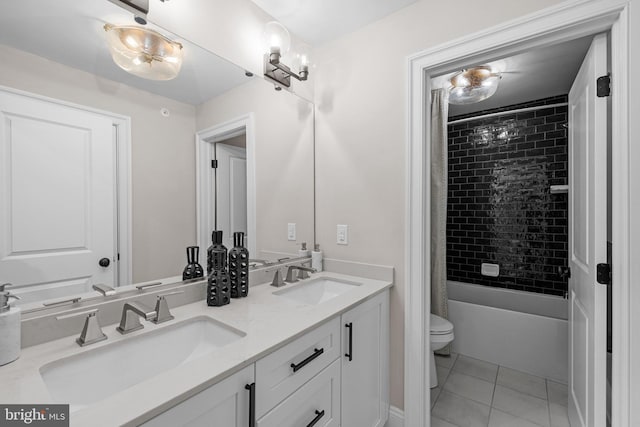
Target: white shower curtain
(439, 113)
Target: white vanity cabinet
(225, 404)
(336, 374)
(284, 371)
(365, 363)
(315, 404)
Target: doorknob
(104, 262)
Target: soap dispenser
(316, 258)
(9, 327)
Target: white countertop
(269, 322)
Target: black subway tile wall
(500, 209)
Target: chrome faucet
(162, 308)
(104, 289)
(277, 279)
(302, 273)
(133, 311)
(131, 314)
(91, 331)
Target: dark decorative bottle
(193, 270)
(239, 267)
(218, 284)
(218, 291)
(216, 253)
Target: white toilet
(440, 335)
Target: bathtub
(520, 330)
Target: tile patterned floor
(474, 393)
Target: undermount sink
(99, 373)
(317, 290)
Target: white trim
(122, 125)
(563, 22)
(621, 219)
(125, 216)
(204, 181)
(396, 417)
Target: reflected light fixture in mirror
(473, 85)
(144, 52)
(277, 42)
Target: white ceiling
(318, 21)
(535, 74)
(70, 32)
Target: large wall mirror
(106, 177)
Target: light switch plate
(291, 231)
(342, 234)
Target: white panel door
(57, 209)
(587, 241)
(231, 191)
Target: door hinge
(564, 272)
(603, 274)
(603, 86)
(214, 164)
(118, 257)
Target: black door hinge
(603, 86)
(564, 273)
(603, 273)
(118, 257)
(214, 164)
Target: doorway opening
(552, 26)
(226, 195)
(507, 238)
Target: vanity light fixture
(473, 85)
(277, 43)
(144, 52)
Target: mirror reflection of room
(70, 84)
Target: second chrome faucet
(133, 311)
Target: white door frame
(566, 21)
(205, 140)
(122, 133)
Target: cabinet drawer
(317, 403)
(282, 372)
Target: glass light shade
(473, 85)
(276, 38)
(144, 52)
(302, 58)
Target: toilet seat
(440, 326)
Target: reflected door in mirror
(231, 188)
(58, 200)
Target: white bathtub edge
(526, 342)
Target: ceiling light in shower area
(473, 85)
(144, 52)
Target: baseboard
(396, 417)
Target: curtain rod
(502, 113)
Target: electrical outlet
(342, 234)
(291, 231)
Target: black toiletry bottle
(218, 286)
(239, 267)
(193, 270)
(216, 253)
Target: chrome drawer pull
(300, 365)
(319, 414)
